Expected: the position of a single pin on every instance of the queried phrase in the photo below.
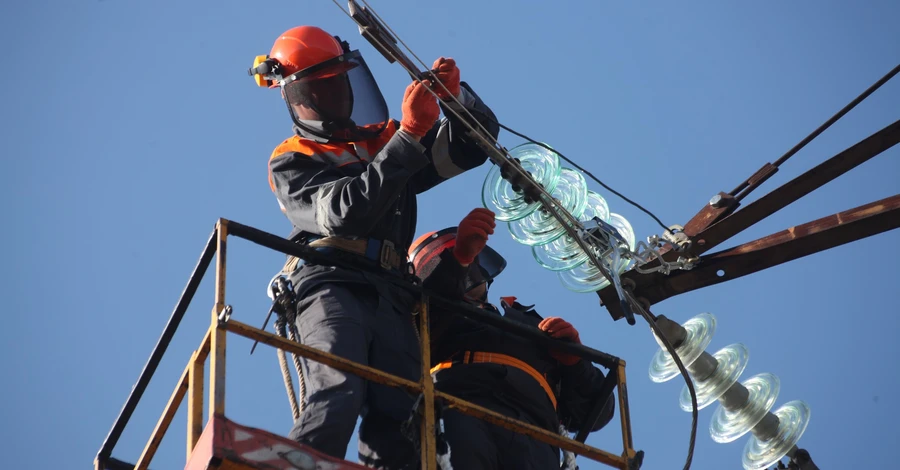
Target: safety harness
(473, 357)
(372, 252)
(383, 253)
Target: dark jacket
(368, 189)
(575, 386)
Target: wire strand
(790, 153)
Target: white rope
(568, 462)
(443, 460)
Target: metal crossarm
(719, 221)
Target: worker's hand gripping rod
(380, 37)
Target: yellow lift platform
(225, 445)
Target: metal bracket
(224, 315)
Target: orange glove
(420, 110)
(448, 73)
(561, 329)
(472, 235)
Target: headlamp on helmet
(266, 71)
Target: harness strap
(471, 357)
(381, 252)
(290, 265)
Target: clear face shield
(487, 266)
(337, 100)
(480, 274)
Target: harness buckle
(387, 255)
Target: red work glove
(448, 73)
(561, 329)
(472, 235)
(420, 110)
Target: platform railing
(190, 385)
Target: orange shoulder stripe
(336, 153)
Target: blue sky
(130, 127)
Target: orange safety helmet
(329, 90)
(424, 253)
(304, 46)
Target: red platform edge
(224, 440)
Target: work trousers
(478, 445)
(354, 321)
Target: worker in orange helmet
(495, 369)
(347, 180)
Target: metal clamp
(281, 291)
(677, 238)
